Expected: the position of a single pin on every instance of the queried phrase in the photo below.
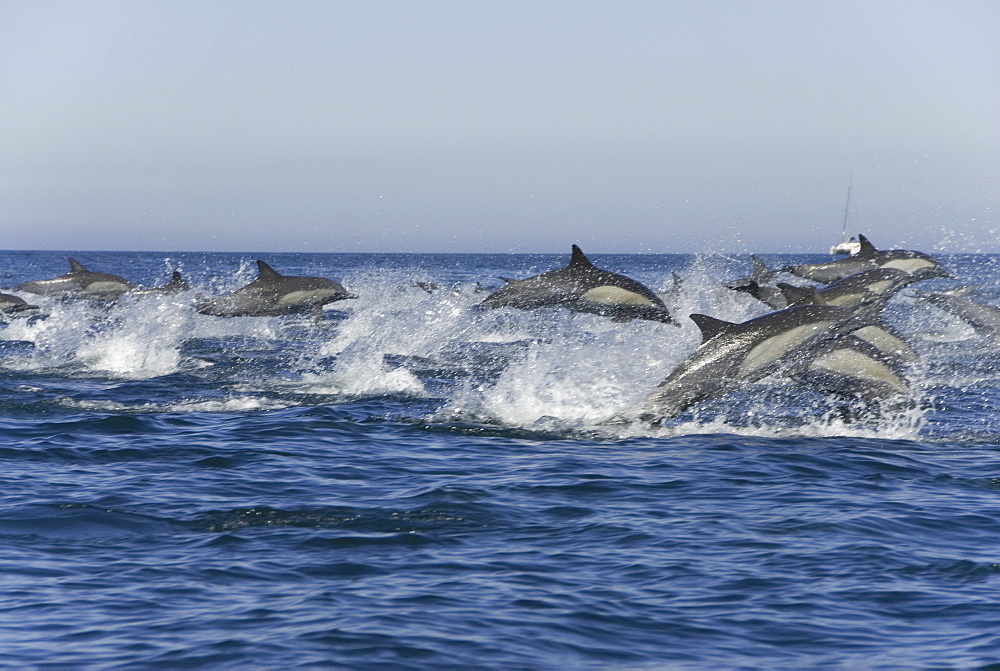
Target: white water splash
(129, 339)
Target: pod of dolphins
(829, 334)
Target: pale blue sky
(487, 126)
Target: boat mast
(847, 207)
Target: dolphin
(12, 305)
(878, 333)
(731, 354)
(773, 297)
(582, 286)
(915, 263)
(870, 289)
(760, 274)
(175, 285)
(851, 366)
(273, 294)
(984, 319)
(80, 281)
(756, 284)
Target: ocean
(415, 483)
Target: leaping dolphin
(773, 297)
(869, 288)
(760, 274)
(756, 284)
(735, 354)
(984, 319)
(80, 281)
(582, 286)
(12, 305)
(918, 264)
(175, 285)
(273, 294)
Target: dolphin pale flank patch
(303, 297)
(773, 348)
(911, 266)
(854, 364)
(850, 366)
(883, 338)
(612, 295)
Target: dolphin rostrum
(915, 263)
(273, 294)
(731, 354)
(582, 286)
(80, 281)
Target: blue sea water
(413, 483)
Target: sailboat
(846, 246)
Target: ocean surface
(415, 483)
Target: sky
(640, 126)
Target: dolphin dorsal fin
(578, 258)
(177, 281)
(867, 250)
(798, 295)
(76, 267)
(760, 270)
(710, 326)
(266, 272)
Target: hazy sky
(473, 125)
